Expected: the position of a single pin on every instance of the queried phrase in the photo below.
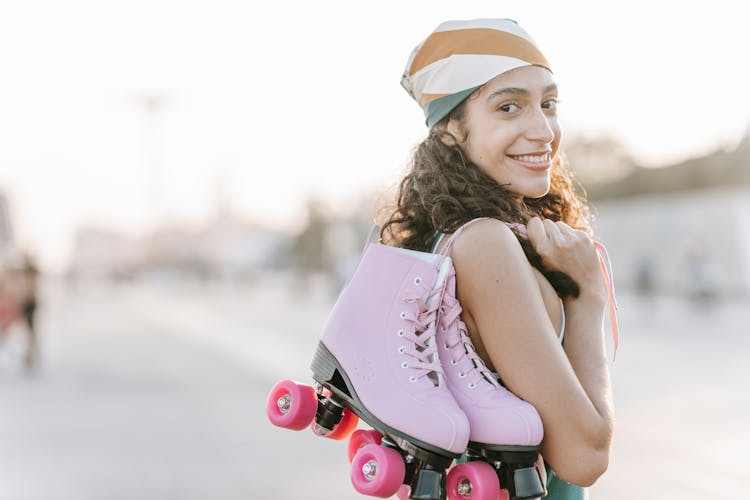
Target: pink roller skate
(505, 431)
(378, 358)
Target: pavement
(158, 392)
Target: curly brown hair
(444, 189)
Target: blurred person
(28, 304)
(700, 276)
(644, 276)
(10, 311)
(18, 302)
(490, 179)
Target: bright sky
(276, 100)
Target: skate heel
(326, 370)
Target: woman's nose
(539, 128)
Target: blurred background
(184, 186)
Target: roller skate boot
(378, 359)
(506, 431)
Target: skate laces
(457, 340)
(422, 348)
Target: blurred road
(159, 393)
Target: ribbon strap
(606, 268)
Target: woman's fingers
(535, 232)
(553, 231)
(549, 238)
(542, 237)
(563, 248)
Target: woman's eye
(550, 104)
(508, 108)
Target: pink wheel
(474, 480)
(291, 405)
(377, 471)
(359, 438)
(343, 429)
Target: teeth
(533, 159)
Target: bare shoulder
(494, 277)
(488, 241)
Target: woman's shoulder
(489, 250)
(486, 238)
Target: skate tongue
(435, 376)
(431, 354)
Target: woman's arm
(570, 389)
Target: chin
(536, 191)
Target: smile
(534, 162)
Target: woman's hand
(569, 250)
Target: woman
(492, 156)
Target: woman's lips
(536, 165)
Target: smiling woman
(492, 160)
(520, 102)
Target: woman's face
(510, 129)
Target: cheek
(473, 147)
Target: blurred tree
(308, 250)
(717, 169)
(597, 159)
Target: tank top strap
(455, 235)
(436, 241)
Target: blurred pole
(152, 106)
(6, 228)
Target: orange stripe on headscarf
(480, 41)
(426, 98)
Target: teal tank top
(557, 489)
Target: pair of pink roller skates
(395, 353)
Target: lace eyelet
(401, 350)
(402, 315)
(412, 379)
(461, 375)
(472, 386)
(404, 365)
(442, 309)
(400, 333)
(443, 329)
(446, 346)
(417, 280)
(454, 362)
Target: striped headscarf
(460, 56)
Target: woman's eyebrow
(520, 91)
